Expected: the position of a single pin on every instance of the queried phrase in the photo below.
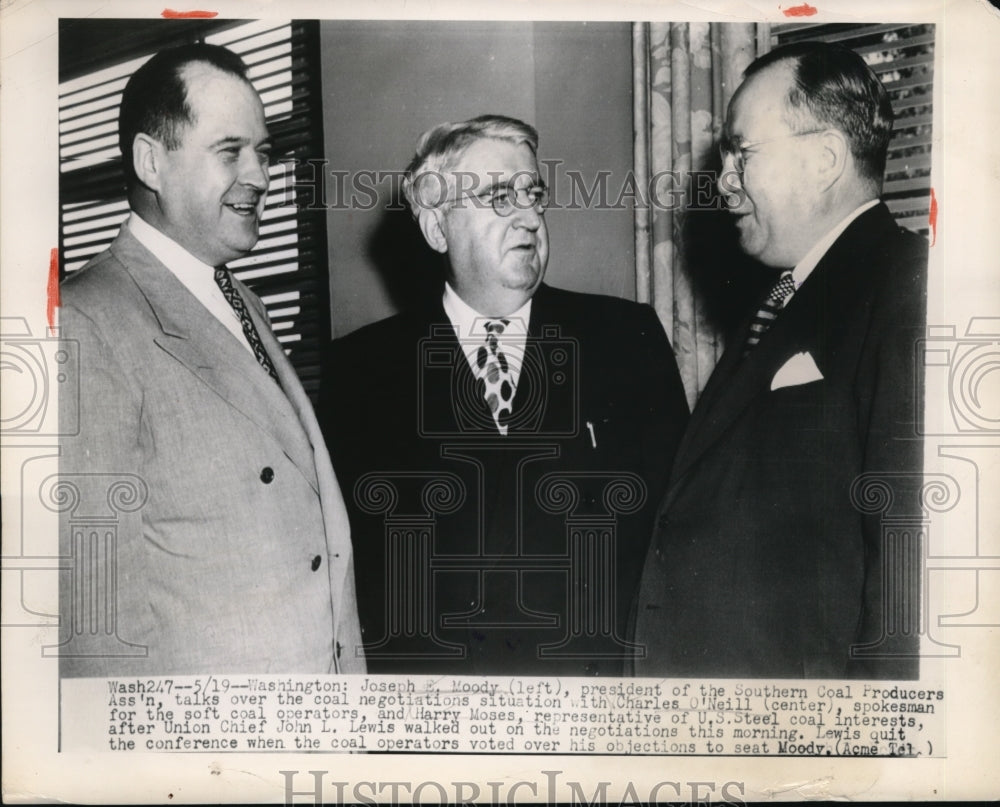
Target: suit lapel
(302, 452)
(718, 384)
(815, 308)
(461, 389)
(195, 338)
(529, 385)
(535, 385)
(313, 458)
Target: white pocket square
(800, 369)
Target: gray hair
(426, 182)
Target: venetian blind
(902, 55)
(287, 268)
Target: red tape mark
(805, 10)
(170, 14)
(52, 289)
(932, 217)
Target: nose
(254, 171)
(526, 214)
(729, 183)
(727, 175)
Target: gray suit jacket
(230, 549)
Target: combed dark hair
(441, 147)
(155, 99)
(836, 88)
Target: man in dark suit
(500, 447)
(770, 555)
(205, 525)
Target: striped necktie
(225, 282)
(769, 309)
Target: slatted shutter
(287, 268)
(902, 55)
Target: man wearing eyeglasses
(502, 447)
(775, 552)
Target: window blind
(902, 55)
(288, 266)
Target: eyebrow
(497, 184)
(232, 140)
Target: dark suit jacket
(761, 564)
(491, 554)
(232, 550)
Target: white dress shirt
(470, 328)
(197, 277)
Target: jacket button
(267, 475)
(316, 562)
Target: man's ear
(833, 156)
(147, 160)
(432, 226)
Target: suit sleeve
(103, 454)
(664, 414)
(666, 403)
(336, 419)
(891, 408)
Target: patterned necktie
(774, 302)
(225, 282)
(495, 380)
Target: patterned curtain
(685, 74)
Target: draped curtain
(684, 76)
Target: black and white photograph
(594, 405)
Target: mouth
(246, 209)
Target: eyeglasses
(505, 200)
(730, 148)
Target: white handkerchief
(800, 369)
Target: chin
(244, 242)
(516, 277)
(752, 249)
(526, 281)
(235, 253)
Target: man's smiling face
(214, 183)
(775, 211)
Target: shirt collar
(468, 322)
(165, 249)
(197, 277)
(812, 258)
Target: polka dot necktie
(769, 309)
(495, 381)
(225, 282)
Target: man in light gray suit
(236, 555)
